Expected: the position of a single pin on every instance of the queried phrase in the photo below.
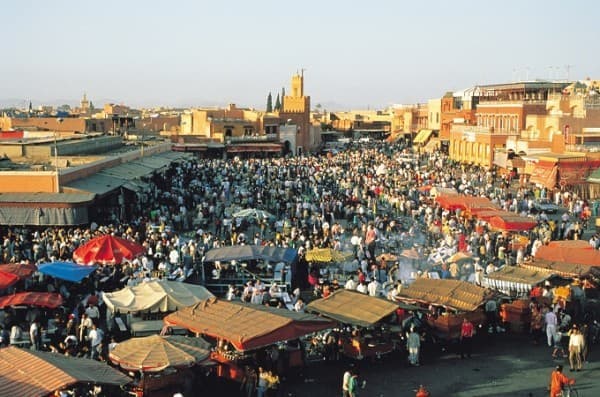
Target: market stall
(449, 302)
(148, 302)
(371, 336)
(569, 251)
(160, 360)
(239, 329)
(35, 373)
(515, 281)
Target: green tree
(269, 103)
(277, 103)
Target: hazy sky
(357, 54)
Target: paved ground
(509, 366)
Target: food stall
(516, 283)
(364, 331)
(161, 361)
(144, 305)
(449, 302)
(241, 332)
(31, 373)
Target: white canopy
(155, 296)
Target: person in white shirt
(92, 312)
(576, 345)
(95, 337)
(362, 288)
(351, 284)
(299, 305)
(551, 323)
(374, 287)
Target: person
(551, 323)
(576, 344)
(353, 385)
(35, 335)
(346, 383)
(467, 331)
(263, 382)
(413, 344)
(95, 337)
(558, 381)
(491, 313)
(249, 381)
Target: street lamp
(59, 121)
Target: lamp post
(59, 121)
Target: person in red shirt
(558, 380)
(466, 338)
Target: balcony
(478, 129)
(252, 138)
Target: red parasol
(39, 299)
(7, 279)
(21, 270)
(107, 250)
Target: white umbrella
(252, 213)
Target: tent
(351, 307)
(155, 353)
(107, 250)
(251, 252)
(246, 327)
(69, 271)
(39, 299)
(35, 373)
(569, 251)
(327, 255)
(155, 296)
(7, 279)
(512, 223)
(485, 214)
(453, 294)
(453, 203)
(21, 270)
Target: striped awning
(423, 136)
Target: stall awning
(500, 159)
(155, 296)
(35, 373)
(562, 268)
(572, 173)
(423, 136)
(513, 223)
(99, 184)
(254, 147)
(454, 294)
(513, 274)
(544, 174)
(44, 216)
(569, 251)
(516, 162)
(350, 307)
(246, 327)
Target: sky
(355, 54)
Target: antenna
(568, 69)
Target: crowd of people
(362, 200)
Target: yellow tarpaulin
(327, 255)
